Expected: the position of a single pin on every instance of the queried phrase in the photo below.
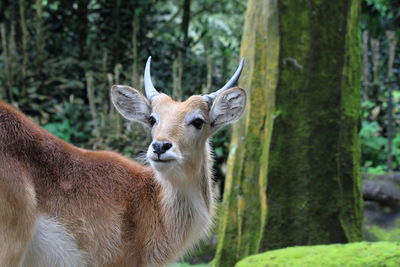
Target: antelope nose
(160, 147)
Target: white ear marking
(227, 107)
(131, 103)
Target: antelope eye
(152, 121)
(197, 123)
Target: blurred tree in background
(243, 211)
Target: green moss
(377, 233)
(355, 254)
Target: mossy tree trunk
(314, 192)
(243, 212)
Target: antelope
(65, 206)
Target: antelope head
(179, 130)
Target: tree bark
(135, 58)
(39, 32)
(177, 75)
(185, 24)
(178, 64)
(243, 210)
(314, 190)
(25, 39)
(391, 37)
(82, 14)
(7, 66)
(365, 64)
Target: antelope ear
(131, 104)
(227, 107)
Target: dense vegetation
(60, 58)
(380, 133)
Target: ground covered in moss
(353, 254)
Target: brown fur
(109, 203)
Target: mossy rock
(377, 233)
(354, 254)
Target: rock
(381, 207)
(384, 189)
(353, 254)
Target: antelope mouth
(157, 159)
(162, 160)
(162, 165)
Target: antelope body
(65, 206)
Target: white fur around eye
(228, 107)
(197, 114)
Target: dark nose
(160, 147)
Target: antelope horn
(210, 97)
(148, 85)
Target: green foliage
(55, 54)
(373, 147)
(380, 15)
(378, 18)
(61, 129)
(67, 119)
(381, 234)
(383, 6)
(353, 254)
(373, 133)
